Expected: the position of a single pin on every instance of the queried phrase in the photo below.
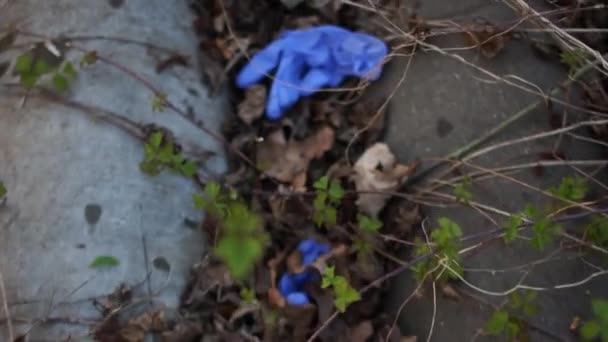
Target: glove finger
(260, 65)
(285, 90)
(314, 80)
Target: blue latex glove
(310, 59)
(292, 286)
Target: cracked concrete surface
(75, 190)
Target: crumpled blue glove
(310, 59)
(292, 286)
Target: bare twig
(568, 41)
(123, 40)
(97, 113)
(381, 109)
(431, 328)
(7, 313)
(525, 287)
(535, 137)
(466, 149)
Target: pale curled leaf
(378, 171)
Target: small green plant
(248, 295)
(242, 240)
(61, 77)
(104, 261)
(214, 202)
(543, 230)
(501, 322)
(446, 245)
(571, 188)
(574, 59)
(523, 302)
(511, 228)
(367, 227)
(370, 225)
(596, 231)
(462, 191)
(329, 195)
(159, 102)
(31, 70)
(242, 236)
(597, 328)
(3, 190)
(509, 321)
(344, 293)
(160, 154)
(363, 246)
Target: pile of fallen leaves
(329, 138)
(319, 173)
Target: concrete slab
(75, 190)
(443, 105)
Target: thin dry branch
(566, 40)
(7, 313)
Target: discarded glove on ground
(291, 285)
(310, 59)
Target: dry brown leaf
(132, 333)
(450, 292)
(150, 321)
(368, 267)
(321, 142)
(229, 48)
(326, 112)
(487, 38)
(300, 22)
(368, 118)
(253, 105)
(361, 332)
(183, 331)
(138, 327)
(301, 317)
(378, 171)
(219, 274)
(206, 277)
(286, 161)
(243, 310)
(275, 298)
(294, 262)
(299, 182)
(596, 96)
(339, 169)
(576, 322)
(395, 335)
(218, 24)
(407, 216)
(213, 72)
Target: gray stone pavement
(75, 190)
(444, 104)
